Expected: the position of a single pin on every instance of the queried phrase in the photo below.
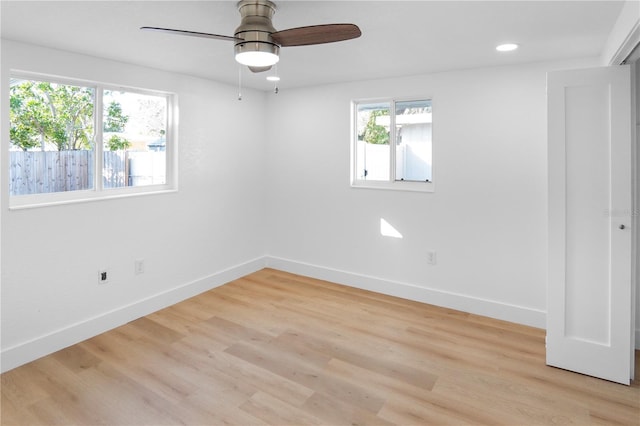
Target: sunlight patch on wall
(387, 230)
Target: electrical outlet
(432, 257)
(139, 266)
(103, 276)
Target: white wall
(487, 219)
(208, 232)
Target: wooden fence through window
(38, 172)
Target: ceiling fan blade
(191, 33)
(316, 34)
(260, 69)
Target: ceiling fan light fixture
(257, 59)
(506, 47)
(257, 54)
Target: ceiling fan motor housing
(257, 43)
(255, 30)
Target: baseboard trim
(25, 352)
(461, 302)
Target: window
(398, 159)
(73, 141)
(134, 139)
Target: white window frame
(99, 192)
(392, 183)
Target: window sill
(395, 186)
(21, 202)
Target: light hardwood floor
(280, 349)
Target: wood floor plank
(71, 399)
(500, 398)
(11, 414)
(208, 409)
(277, 412)
(333, 411)
(223, 366)
(378, 364)
(283, 364)
(129, 401)
(274, 348)
(407, 410)
(384, 385)
(21, 386)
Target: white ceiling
(399, 37)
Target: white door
(589, 304)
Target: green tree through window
(58, 115)
(46, 114)
(374, 132)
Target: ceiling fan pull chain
(239, 83)
(275, 80)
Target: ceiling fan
(257, 43)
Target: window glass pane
(51, 137)
(134, 139)
(413, 140)
(373, 157)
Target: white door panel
(590, 199)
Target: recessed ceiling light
(273, 78)
(507, 47)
